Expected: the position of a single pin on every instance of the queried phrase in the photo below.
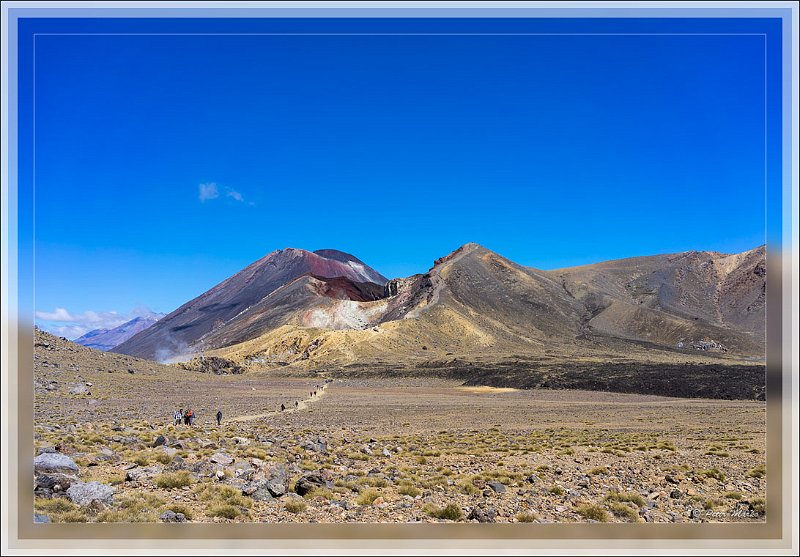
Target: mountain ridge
(474, 303)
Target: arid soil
(365, 449)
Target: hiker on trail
(219, 417)
(188, 417)
(283, 408)
(296, 404)
(177, 417)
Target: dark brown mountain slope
(692, 299)
(178, 331)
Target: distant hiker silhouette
(283, 408)
(219, 417)
(296, 404)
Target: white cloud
(62, 323)
(60, 314)
(211, 191)
(208, 191)
(235, 195)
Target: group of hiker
(311, 394)
(187, 417)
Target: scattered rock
(222, 458)
(159, 441)
(40, 518)
(497, 487)
(142, 474)
(84, 493)
(79, 389)
(310, 482)
(483, 514)
(170, 516)
(47, 484)
(54, 462)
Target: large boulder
(54, 462)
(309, 482)
(269, 484)
(84, 494)
(277, 480)
(47, 484)
(160, 440)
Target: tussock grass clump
(713, 473)
(224, 494)
(70, 516)
(410, 490)
(171, 480)
(368, 496)
(224, 511)
(599, 470)
(373, 482)
(526, 517)
(186, 510)
(323, 492)
(164, 458)
(351, 486)
(450, 512)
(141, 460)
(759, 505)
(710, 504)
(593, 512)
(732, 495)
(629, 497)
(623, 510)
(556, 490)
(295, 505)
(141, 508)
(466, 486)
(54, 505)
(758, 472)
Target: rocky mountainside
(701, 300)
(265, 286)
(473, 307)
(106, 339)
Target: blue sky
(164, 164)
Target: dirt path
(302, 405)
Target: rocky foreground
(377, 450)
(251, 472)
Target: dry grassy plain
(380, 450)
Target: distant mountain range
(106, 339)
(328, 309)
